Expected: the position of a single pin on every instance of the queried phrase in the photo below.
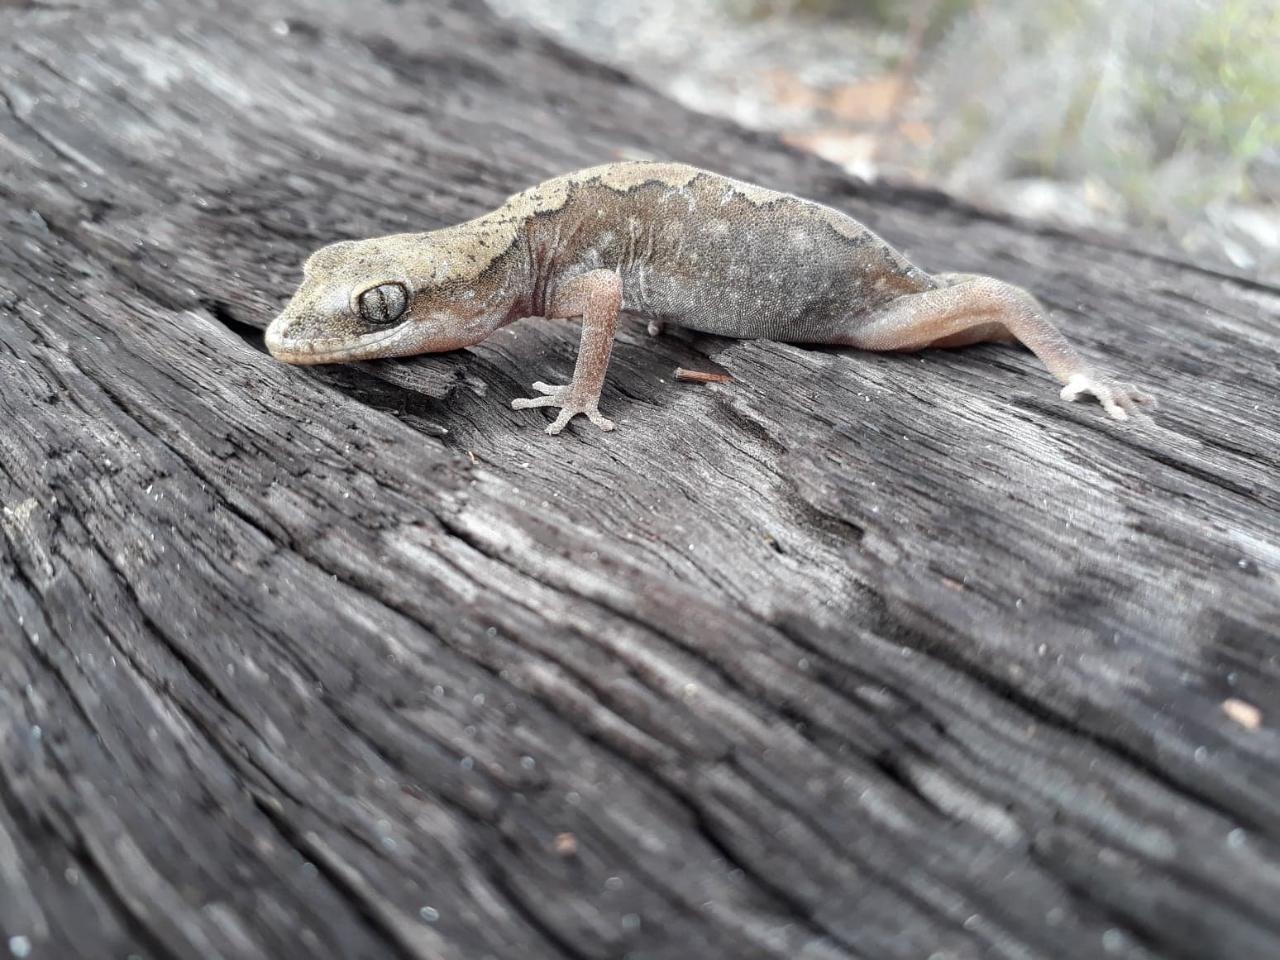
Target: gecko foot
(1118, 399)
(569, 405)
(656, 327)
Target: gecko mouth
(330, 350)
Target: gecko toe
(1075, 386)
(1116, 410)
(1120, 400)
(568, 412)
(560, 422)
(604, 423)
(570, 406)
(1129, 399)
(526, 403)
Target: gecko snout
(274, 337)
(282, 346)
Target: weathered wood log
(854, 655)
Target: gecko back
(722, 256)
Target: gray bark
(854, 656)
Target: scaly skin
(671, 243)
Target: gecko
(669, 242)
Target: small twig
(698, 376)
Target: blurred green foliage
(1221, 86)
(1162, 107)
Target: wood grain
(853, 656)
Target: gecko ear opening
(383, 304)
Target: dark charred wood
(852, 656)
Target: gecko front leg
(596, 297)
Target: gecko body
(669, 242)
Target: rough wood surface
(852, 656)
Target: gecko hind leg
(970, 309)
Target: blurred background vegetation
(1156, 115)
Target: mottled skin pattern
(669, 242)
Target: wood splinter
(700, 376)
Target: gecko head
(359, 300)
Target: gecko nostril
(274, 336)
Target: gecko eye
(383, 304)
